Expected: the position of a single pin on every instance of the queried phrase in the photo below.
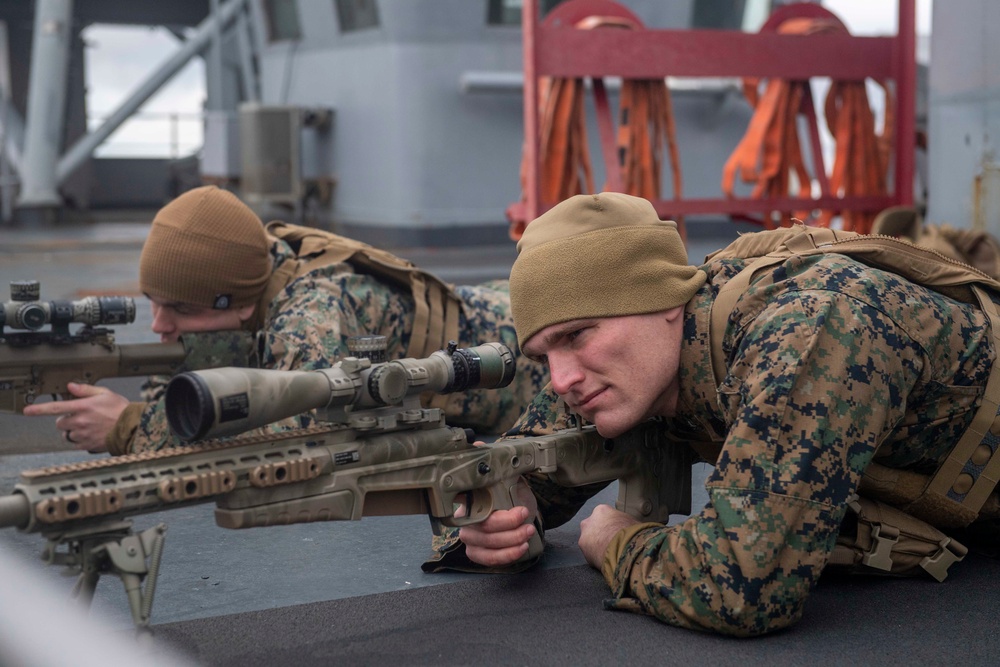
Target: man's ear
(673, 313)
(246, 312)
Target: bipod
(114, 550)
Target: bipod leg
(128, 561)
(113, 550)
(83, 555)
(86, 584)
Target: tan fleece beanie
(206, 248)
(604, 255)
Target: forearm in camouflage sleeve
(149, 430)
(119, 438)
(153, 432)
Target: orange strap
(770, 151)
(646, 127)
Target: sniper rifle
(376, 451)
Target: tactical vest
(955, 494)
(437, 308)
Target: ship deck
(353, 592)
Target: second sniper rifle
(376, 452)
(37, 362)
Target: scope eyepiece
(489, 366)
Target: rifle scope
(24, 311)
(227, 401)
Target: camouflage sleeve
(152, 431)
(118, 438)
(486, 319)
(308, 329)
(816, 381)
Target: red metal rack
(555, 48)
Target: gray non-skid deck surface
(555, 617)
(352, 593)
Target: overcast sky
(119, 58)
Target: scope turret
(227, 401)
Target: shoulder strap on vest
(965, 480)
(962, 484)
(437, 308)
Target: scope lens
(190, 410)
(32, 316)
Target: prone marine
(842, 414)
(209, 264)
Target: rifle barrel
(15, 511)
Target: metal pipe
(9, 160)
(13, 134)
(201, 38)
(244, 44)
(532, 148)
(906, 101)
(46, 112)
(213, 63)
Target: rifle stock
(388, 460)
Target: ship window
(746, 15)
(282, 20)
(357, 14)
(508, 12)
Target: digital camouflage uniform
(830, 365)
(308, 325)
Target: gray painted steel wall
(417, 158)
(964, 115)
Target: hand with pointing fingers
(86, 419)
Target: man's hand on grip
(502, 538)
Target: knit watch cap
(603, 255)
(206, 248)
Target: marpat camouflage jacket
(831, 365)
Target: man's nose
(162, 322)
(565, 374)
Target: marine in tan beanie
(598, 293)
(206, 248)
(602, 255)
